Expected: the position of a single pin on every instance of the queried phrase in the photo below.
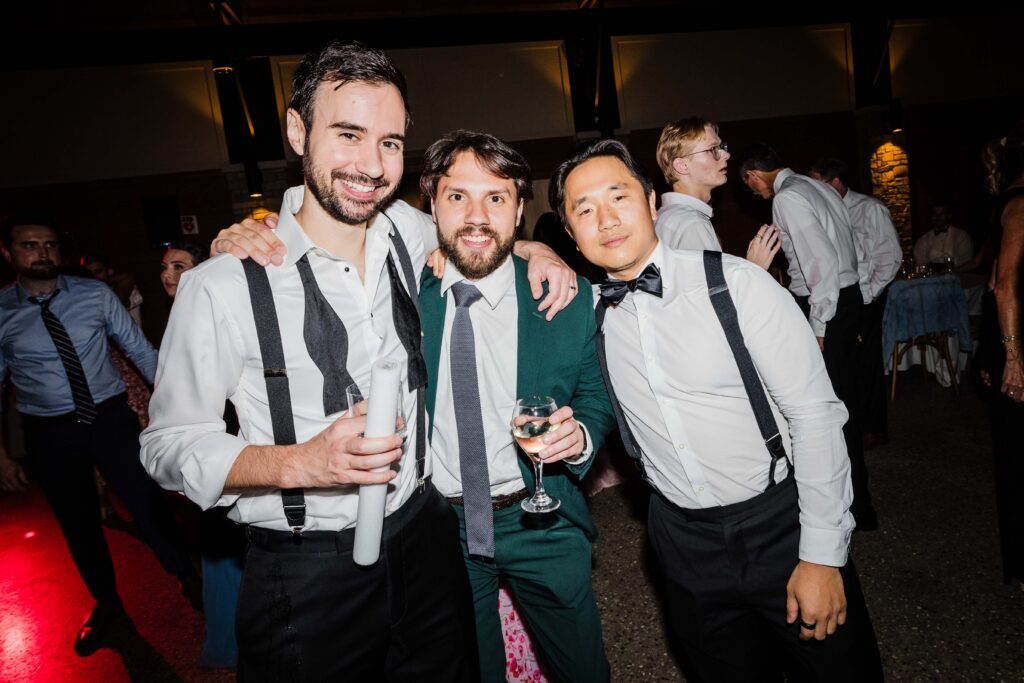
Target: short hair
(674, 139)
(197, 253)
(18, 218)
(493, 154)
(829, 169)
(759, 157)
(95, 257)
(343, 62)
(601, 148)
(1004, 159)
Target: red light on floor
(30, 534)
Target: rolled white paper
(385, 385)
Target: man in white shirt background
(754, 548)
(824, 259)
(694, 161)
(478, 186)
(943, 242)
(880, 245)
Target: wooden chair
(937, 340)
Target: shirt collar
(298, 243)
(688, 201)
(781, 178)
(493, 286)
(658, 258)
(62, 284)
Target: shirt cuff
(203, 477)
(588, 450)
(829, 547)
(817, 327)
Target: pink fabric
(521, 664)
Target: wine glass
(529, 425)
(355, 396)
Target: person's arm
(795, 378)
(122, 328)
(678, 228)
(185, 447)
(817, 258)
(762, 249)
(1007, 287)
(888, 252)
(12, 477)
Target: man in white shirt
(306, 611)
(694, 161)
(824, 258)
(944, 241)
(741, 556)
(478, 187)
(880, 245)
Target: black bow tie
(939, 231)
(614, 291)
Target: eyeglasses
(717, 151)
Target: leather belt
(498, 502)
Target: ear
(433, 211)
(680, 166)
(7, 254)
(652, 202)
(837, 184)
(296, 132)
(519, 211)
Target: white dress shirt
(495, 334)
(818, 241)
(880, 245)
(934, 247)
(210, 352)
(684, 222)
(681, 392)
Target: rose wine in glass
(529, 425)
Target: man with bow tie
(943, 241)
(723, 400)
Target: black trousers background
(307, 612)
(842, 363)
(874, 399)
(62, 455)
(726, 571)
(1008, 453)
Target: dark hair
(830, 169)
(494, 154)
(342, 63)
(601, 148)
(95, 257)
(759, 157)
(197, 253)
(16, 219)
(1004, 159)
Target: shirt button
(680, 446)
(700, 489)
(346, 269)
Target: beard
(473, 265)
(344, 209)
(40, 270)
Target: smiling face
(174, 263)
(476, 213)
(352, 154)
(699, 168)
(34, 252)
(609, 216)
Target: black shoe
(192, 589)
(867, 520)
(94, 631)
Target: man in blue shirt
(54, 332)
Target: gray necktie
(476, 483)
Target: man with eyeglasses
(824, 257)
(694, 160)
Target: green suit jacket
(559, 359)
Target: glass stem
(538, 473)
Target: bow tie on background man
(940, 231)
(614, 291)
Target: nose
(725, 154)
(607, 218)
(370, 162)
(476, 212)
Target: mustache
(44, 262)
(359, 179)
(479, 229)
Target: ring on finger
(809, 627)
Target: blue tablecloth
(923, 306)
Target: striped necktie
(85, 406)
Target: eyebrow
(460, 190)
(584, 198)
(345, 125)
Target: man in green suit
(485, 346)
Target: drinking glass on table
(529, 425)
(356, 397)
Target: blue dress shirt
(91, 313)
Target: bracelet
(1010, 338)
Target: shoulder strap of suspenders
(275, 374)
(725, 309)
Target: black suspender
(275, 374)
(722, 302)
